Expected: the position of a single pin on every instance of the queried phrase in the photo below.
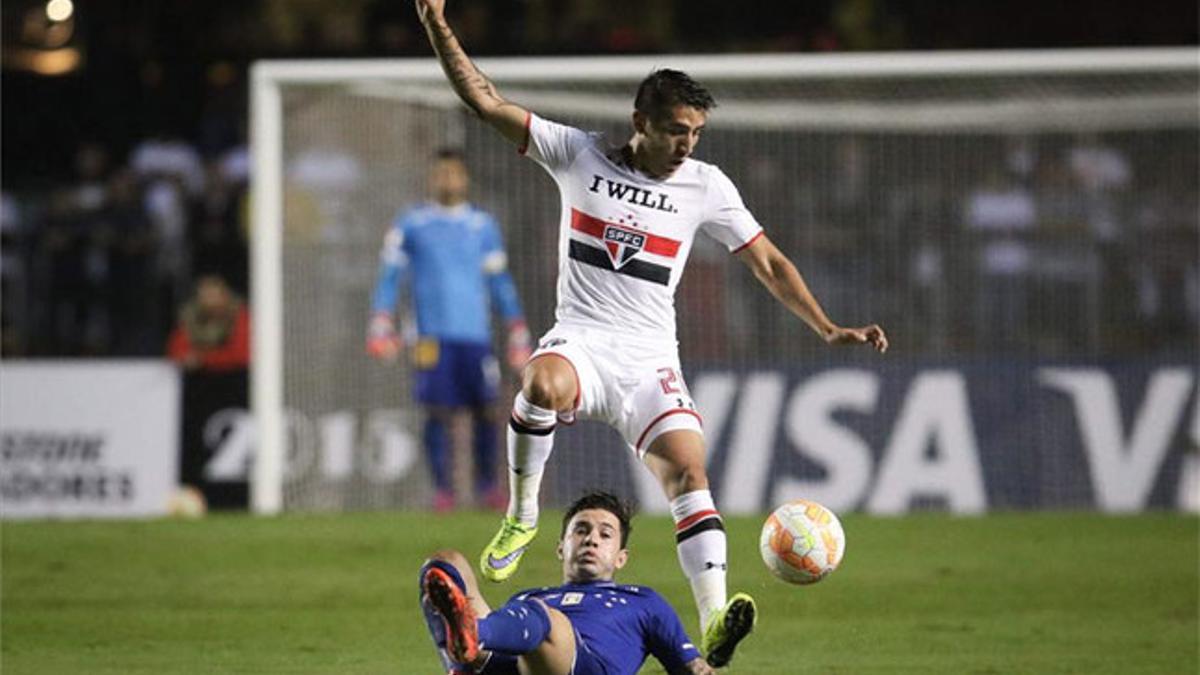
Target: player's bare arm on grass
(471, 85)
(780, 276)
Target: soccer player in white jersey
(629, 217)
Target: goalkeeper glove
(519, 344)
(382, 340)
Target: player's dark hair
(451, 153)
(664, 89)
(602, 500)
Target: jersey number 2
(668, 381)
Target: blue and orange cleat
(462, 636)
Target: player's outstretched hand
(872, 335)
(700, 667)
(430, 9)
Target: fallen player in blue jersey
(588, 626)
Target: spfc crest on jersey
(615, 247)
(622, 244)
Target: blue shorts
(455, 374)
(587, 662)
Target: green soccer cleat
(502, 555)
(727, 627)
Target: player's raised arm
(780, 276)
(471, 85)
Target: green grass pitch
(1011, 593)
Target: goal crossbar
(764, 66)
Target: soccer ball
(802, 542)
(187, 502)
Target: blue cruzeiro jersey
(622, 624)
(455, 260)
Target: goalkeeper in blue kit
(590, 625)
(450, 254)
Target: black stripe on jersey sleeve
(590, 255)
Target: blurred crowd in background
(125, 162)
(1063, 244)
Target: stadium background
(145, 104)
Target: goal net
(998, 213)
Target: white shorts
(632, 384)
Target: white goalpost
(871, 158)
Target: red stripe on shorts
(658, 419)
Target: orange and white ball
(802, 542)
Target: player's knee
(452, 563)
(451, 556)
(559, 629)
(547, 388)
(555, 653)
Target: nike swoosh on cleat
(500, 563)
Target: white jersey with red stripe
(624, 237)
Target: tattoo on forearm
(469, 83)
